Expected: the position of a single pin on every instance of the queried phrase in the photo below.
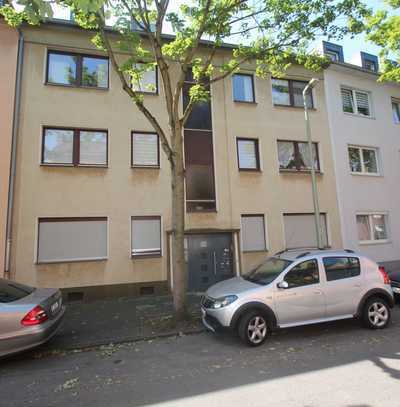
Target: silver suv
(299, 288)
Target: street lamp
(310, 85)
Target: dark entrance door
(209, 260)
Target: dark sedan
(395, 283)
(28, 316)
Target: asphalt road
(337, 364)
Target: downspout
(13, 164)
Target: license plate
(55, 307)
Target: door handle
(215, 264)
(317, 292)
(288, 295)
(357, 285)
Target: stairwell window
(363, 160)
(356, 102)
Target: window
(243, 88)
(337, 268)
(248, 154)
(356, 102)
(333, 55)
(369, 62)
(148, 81)
(72, 239)
(333, 51)
(145, 150)
(146, 236)
(294, 156)
(287, 92)
(396, 111)
(371, 227)
(253, 233)
(305, 273)
(64, 68)
(63, 146)
(200, 185)
(363, 160)
(11, 291)
(300, 230)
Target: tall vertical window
(65, 68)
(64, 146)
(288, 92)
(363, 160)
(243, 88)
(145, 150)
(146, 235)
(253, 233)
(148, 81)
(295, 156)
(72, 239)
(396, 110)
(356, 102)
(372, 227)
(248, 154)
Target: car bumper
(34, 336)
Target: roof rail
(349, 251)
(302, 255)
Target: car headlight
(224, 301)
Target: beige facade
(119, 192)
(8, 65)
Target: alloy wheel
(378, 314)
(257, 329)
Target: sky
(351, 46)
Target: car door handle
(317, 292)
(357, 285)
(288, 295)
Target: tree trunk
(178, 228)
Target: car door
(303, 300)
(343, 286)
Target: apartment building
(92, 198)
(8, 69)
(364, 121)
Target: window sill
(359, 115)
(146, 256)
(283, 171)
(62, 85)
(374, 242)
(366, 174)
(74, 166)
(294, 107)
(251, 170)
(254, 103)
(145, 167)
(71, 261)
(255, 251)
(147, 93)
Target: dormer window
(333, 51)
(369, 62)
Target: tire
(376, 313)
(253, 328)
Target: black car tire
(376, 313)
(253, 328)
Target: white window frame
(146, 253)
(266, 242)
(360, 150)
(354, 101)
(371, 230)
(396, 101)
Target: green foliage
(383, 29)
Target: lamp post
(317, 217)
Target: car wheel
(376, 313)
(253, 328)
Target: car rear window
(11, 291)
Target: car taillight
(386, 279)
(35, 317)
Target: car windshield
(11, 291)
(266, 272)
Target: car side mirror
(283, 284)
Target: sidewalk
(121, 320)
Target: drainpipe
(317, 216)
(15, 128)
